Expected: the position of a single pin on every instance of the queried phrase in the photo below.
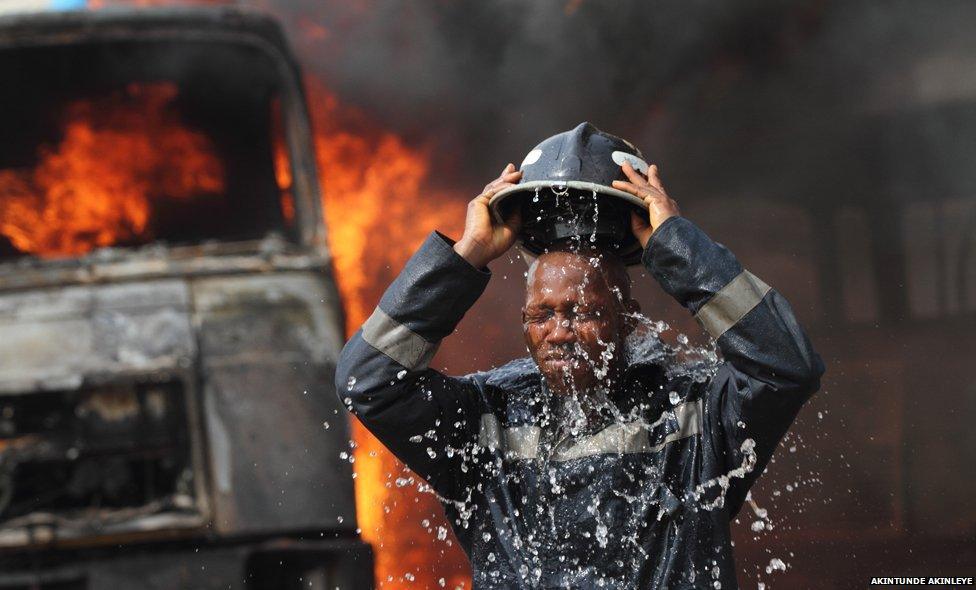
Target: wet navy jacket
(638, 503)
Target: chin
(558, 383)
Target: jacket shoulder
(510, 391)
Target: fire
(282, 163)
(95, 187)
(378, 214)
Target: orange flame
(378, 213)
(95, 187)
(282, 163)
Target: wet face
(575, 321)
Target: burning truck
(169, 320)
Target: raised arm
(427, 419)
(770, 367)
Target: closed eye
(537, 316)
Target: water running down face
(576, 318)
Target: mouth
(560, 363)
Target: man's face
(573, 322)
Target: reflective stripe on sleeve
(397, 341)
(732, 303)
(689, 417)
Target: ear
(525, 333)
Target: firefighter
(585, 465)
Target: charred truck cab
(169, 322)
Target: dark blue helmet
(566, 193)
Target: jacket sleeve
(428, 420)
(770, 367)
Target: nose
(562, 332)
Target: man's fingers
(501, 183)
(481, 199)
(512, 176)
(506, 178)
(508, 169)
(625, 186)
(638, 221)
(642, 192)
(654, 177)
(638, 191)
(514, 219)
(632, 174)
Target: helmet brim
(498, 199)
(511, 194)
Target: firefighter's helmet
(566, 193)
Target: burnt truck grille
(94, 461)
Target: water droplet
(748, 446)
(601, 534)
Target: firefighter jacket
(639, 503)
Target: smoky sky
(728, 97)
(494, 78)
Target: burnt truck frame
(211, 361)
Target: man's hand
(485, 239)
(650, 190)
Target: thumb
(638, 222)
(514, 221)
